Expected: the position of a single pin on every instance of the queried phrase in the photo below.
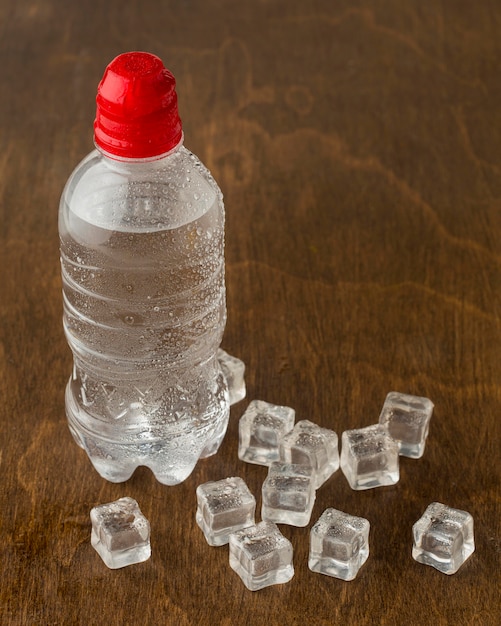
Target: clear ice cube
(369, 457)
(260, 430)
(313, 446)
(224, 506)
(233, 370)
(407, 419)
(443, 538)
(339, 544)
(120, 533)
(288, 494)
(261, 556)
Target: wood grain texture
(358, 148)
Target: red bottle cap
(137, 114)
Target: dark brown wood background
(358, 146)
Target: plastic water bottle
(141, 227)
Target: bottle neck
(130, 161)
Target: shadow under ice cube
(120, 533)
(224, 506)
(313, 446)
(443, 538)
(260, 429)
(339, 544)
(288, 494)
(407, 419)
(233, 370)
(369, 457)
(261, 556)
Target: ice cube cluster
(308, 455)
(300, 458)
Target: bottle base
(171, 458)
(170, 465)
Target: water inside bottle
(144, 313)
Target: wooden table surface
(358, 146)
